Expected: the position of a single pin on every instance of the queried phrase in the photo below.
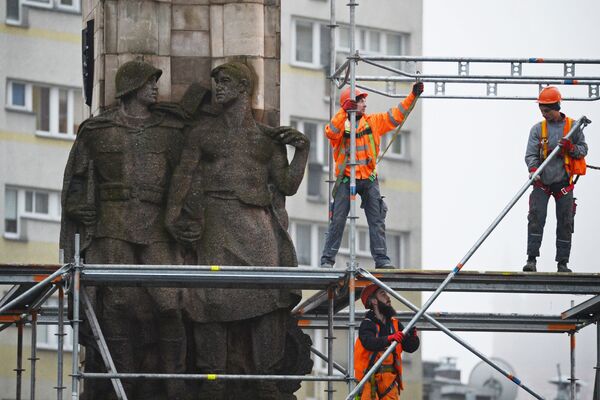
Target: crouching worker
(377, 331)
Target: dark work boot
(562, 267)
(530, 265)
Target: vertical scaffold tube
(33, 358)
(597, 380)
(352, 234)
(573, 380)
(19, 369)
(75, 355)
(61, 339)
(330, 310)
(332, 102)
(581, 122)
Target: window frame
(53, 110)
(391, 154)
(365, 49)
(47, 4)
(9, 96)
(316, 44)
(54, 208)
(10, 21)
(50, 340)
(366, 252)
(76, 7)
(315, 250)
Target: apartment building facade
(41, 107)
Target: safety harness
(341, 177)
(573, 166)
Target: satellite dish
(493, 383)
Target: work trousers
(375, 211)
(538, 205)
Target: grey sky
(473, 159)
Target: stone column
(186, 39)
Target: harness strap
(544, 144)
(557, 195)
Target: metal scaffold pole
(33, 359)
(61, 342)
(573, 380)
(75, 323)
(19, 370)
(332, 58)
(579, 124)
(352, 234)
(330, 338)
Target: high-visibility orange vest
(364, 359)
(573, 166)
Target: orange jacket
(390, 370)
(338, 133)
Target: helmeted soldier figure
(114, 195)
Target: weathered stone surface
(164, 29)
(111, 65)
(137, 27)
(186, 70)
(243, 29)
(189, 43)
(191, 17)
(111, 34)
(201, 2)
(164, 84)
(217, 27)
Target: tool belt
(558, 194)
(120, 192)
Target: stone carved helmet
(133, 75)
(239, 71)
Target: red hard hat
(345, 95)
(549, 95)
(367, 292)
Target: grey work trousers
(375, 211)
(538, 205)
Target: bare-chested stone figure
(220, 201)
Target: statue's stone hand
(85, 214)
(290, 136)
(186, 232)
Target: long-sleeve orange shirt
(338, 133)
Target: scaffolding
(336, 287)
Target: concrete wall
(186, 39)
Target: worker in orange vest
(369, 129)
(377, 331)
(555, 180)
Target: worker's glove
(349, 105)
(84, 213)
(418, 88)
(531, 172)
(396, 337)
(567, 145)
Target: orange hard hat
(367, 292)
(345, 95)
(549, 95)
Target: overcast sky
(473, 158)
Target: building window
(11, 220)
(71, 5)
(399, 147)
(310, 44)
(31, 204)
(395, 243)
(318, 156)
(373, 42)
(58, 111)
(309, 239)
(47, 334)
(13, 12)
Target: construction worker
(556, 179)
(369, 129)
(378, 330)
